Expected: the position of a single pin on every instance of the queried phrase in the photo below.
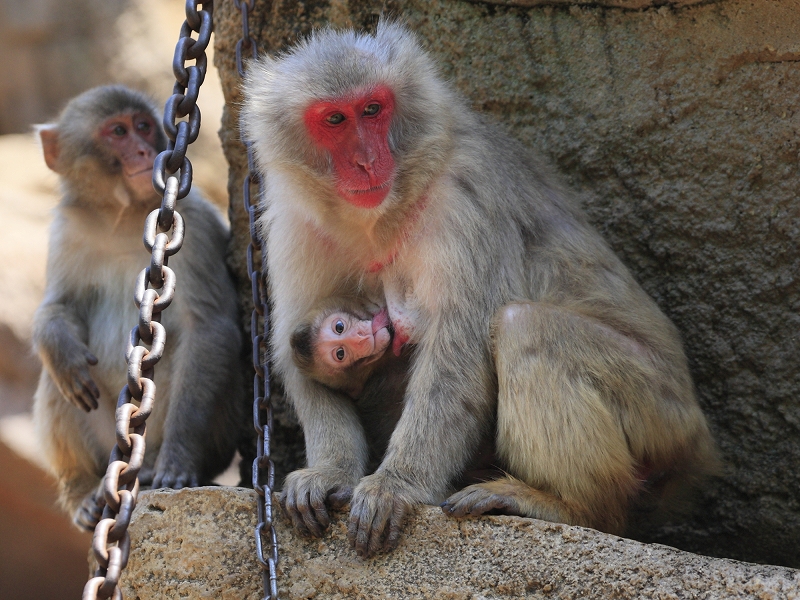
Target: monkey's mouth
(370, 197)
(372, 190)
(148, 170)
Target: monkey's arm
(450, 394)
(58, 335)
(303, 271)
(336, 453)
(448, 403)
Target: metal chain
(155, 289)
(263, 466)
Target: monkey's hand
(307, 494)
(72, 378)
(379, 505)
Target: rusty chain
(154, 290)
(263, 466)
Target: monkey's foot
(173, 470)
(493, 497)
(509, 496)
(308, 492)
(89, 512)
(175, 480)
(379, 505)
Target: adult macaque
(526, 326)
(103, 147)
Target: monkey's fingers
(339, 497)
(314, 512)
(185, 480)
(82, 396)
(163, 479)
(290, 511)
(90, 387)
(369, 526)
(395, 521)
(84, 391)
(89, 512)
(173, 470)
(306, 518)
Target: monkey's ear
(51, 147)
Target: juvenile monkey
(103, 147)
(526, 327)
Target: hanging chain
(263, 466)
(154, 290)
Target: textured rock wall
(677, 127)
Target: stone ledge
(198, 543)
(623, 4)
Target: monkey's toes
(474, 501)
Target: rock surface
(676, 123)
(199, 544)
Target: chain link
(154, 290)
(263, 466)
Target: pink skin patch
(355, 130)
(345, 339)
(399, 340)
(131, 138)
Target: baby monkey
(345, 344)
(350, 346)
(341, 342)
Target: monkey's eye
(372, 109)
(338, 327)
(143, 126)
(335, 118)
(339, 354)
(120, 130)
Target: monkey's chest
(110, 316)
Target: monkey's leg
(76, 458)
(558, 433)
(199, 436)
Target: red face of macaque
(344, 339)
(131, 138)
(355, 130)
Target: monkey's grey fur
(526, 321)
(95, 255)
